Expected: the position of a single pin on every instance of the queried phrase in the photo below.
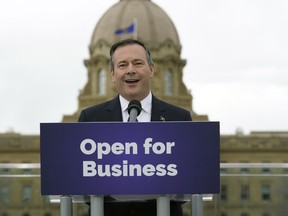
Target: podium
(129, 161)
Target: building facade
(245, 190)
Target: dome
(153, 25)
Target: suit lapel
(158, 110)
(113, 110)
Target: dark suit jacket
(111, 111)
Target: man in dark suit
(132, 68)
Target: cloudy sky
(236, 52)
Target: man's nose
(131, 69)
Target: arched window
(168, 79)
(102, 82)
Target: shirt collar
(124, 103)
(146, 103)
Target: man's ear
(112, 75)
(152, 70)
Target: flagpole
(135, 30)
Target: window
(46, 199)
(4, 171)
(101, 82)
(266, 170)
(223, 171)
(168, 82)
(285, 170)
(5, 194)
(27, 171)
(224, 190)
(245, 192)
(26, 193)
(265, 192)
(244, 170)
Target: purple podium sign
(130, 158)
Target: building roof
(153, 25)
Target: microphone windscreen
(134, 104)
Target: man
(132, 68)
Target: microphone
(134, 109)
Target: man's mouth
(131, 81)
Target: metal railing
(233, 175)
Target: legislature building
(254, 169)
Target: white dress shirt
(145, 114)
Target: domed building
(245, 190)
(146, 21)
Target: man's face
(132, 74)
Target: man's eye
(121, 65)
(138, 63)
